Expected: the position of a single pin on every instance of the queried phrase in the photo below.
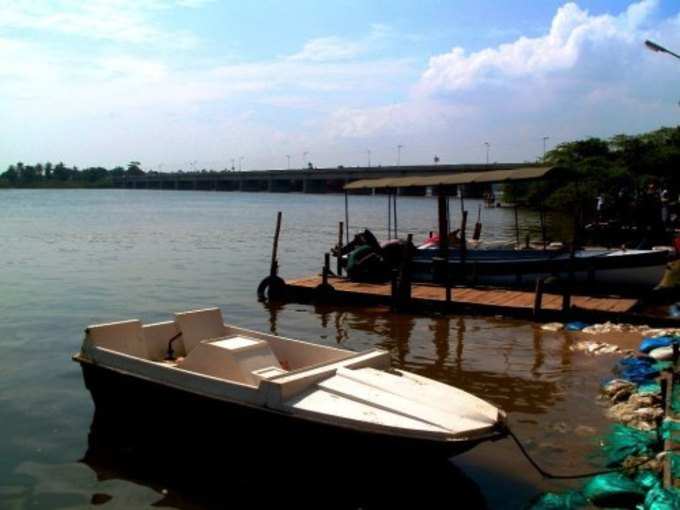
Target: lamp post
(655, 47)
(399, 147)
(487, 152)
(304, 159)
(545, 139)
(288, 158)
(233, 164)
(369, 157)
(240, 164)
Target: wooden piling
(566, 298)
(274, 269)
(326, 268)
(339, 248)
(443, 254)
(538, 297)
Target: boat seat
(199, 325)
(125, 336)
(236, 358)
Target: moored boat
(634, 269)
(196, 365)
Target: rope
(547, 474)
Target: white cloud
(334, 48)
(122, 21)
(328, 48)
(573, 34)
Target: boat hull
(639, 270)
(151, 411)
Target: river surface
(69, 258)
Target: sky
(193, 84)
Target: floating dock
(475, 300)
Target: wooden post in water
(326, 268)
(566, 297)
(339, 267)
(274, 268)
(538, 297)
(443, 255)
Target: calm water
(72, 258)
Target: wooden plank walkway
(520, 300)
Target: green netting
(613, 490)
(571, 500)
(662, 365)
(670, 430)
(623, 441)
(647, 480)
(647, 388)
(659, 498)
(675, 465)
(675, 398)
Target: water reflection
(210, 471)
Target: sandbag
(613, 490)
(648, 343)
(662, 353)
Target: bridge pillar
(314, 186)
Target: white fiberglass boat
(197, 366)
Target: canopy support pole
(516, 226)
(346, 219)
(389, 214)
(542, 216)
(463, 226)
(394, 210)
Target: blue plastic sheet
(649, 344)
(637, 370)
(575, 326)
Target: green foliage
(60, 176)
(593, 166)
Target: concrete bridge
(321, 180)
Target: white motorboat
(277, 385)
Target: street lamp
(545, 139)
(399, 147)
(240, 163)
(304, 158)
(288, 157)
(655, 47)
(369, 157)
(487, 152)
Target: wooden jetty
(480, 300)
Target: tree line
(58, 175)
(622, 166)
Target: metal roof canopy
(520, 174)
